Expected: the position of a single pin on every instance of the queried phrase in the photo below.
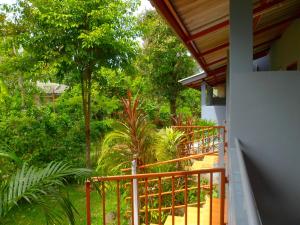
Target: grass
(26, 214)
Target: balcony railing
(197, 142)
(201, 139)
(187, 197)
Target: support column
(241, 36)
(240, 57)
(209, 95)
(203, 94)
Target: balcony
(194, 196)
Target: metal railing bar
(146, 201)
(159, 200)
(212, 127)
(198, 199)
(170, 192)
(195, 156)
(210, 198)
(88, 202)
(118, 203)
(185, 199)
(168, 208)
(157, 175)
(103, 203)
(132, 207)
(173, 201)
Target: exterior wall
(214, 113)
(265, 116)
(286, 50)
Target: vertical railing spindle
(213, 140)
(185, 199)
(159, 200)
(222, 196)
(132, 208)
(173, 201)
(118, 203)
(210, 198)
(146, 201)
(198, 198)
(103, 203)
(88, 201)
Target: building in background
(251, 48)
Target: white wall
(265, 116)
(214, 113)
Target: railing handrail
(253, 217)
(157, 175)
(195, 126)
(171, 161)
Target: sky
(6, 1)
(145, 4)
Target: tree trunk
(173, 108)
(86, 80)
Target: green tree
(165, 59)
(73, 39)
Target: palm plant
(167, 144)
(11, 155)
(131, 139)
(41, 186)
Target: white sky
(7, 1)
(145, 5)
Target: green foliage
(167, 144)
(189, 103)
(165, 59)
(41, 186)
(202, 122)
(11, 155)
(70, 41)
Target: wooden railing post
(88, 201)
(222, 198)
(135, 195)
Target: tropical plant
(167, 145)
(40, 186)
(131, 139)
(11, 155)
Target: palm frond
(167, 144)
(34, 185)
(12, 156)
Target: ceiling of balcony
(203, 26)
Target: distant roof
(52, 88)
(203, 26)
(194, 81)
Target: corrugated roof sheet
(203, 25)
